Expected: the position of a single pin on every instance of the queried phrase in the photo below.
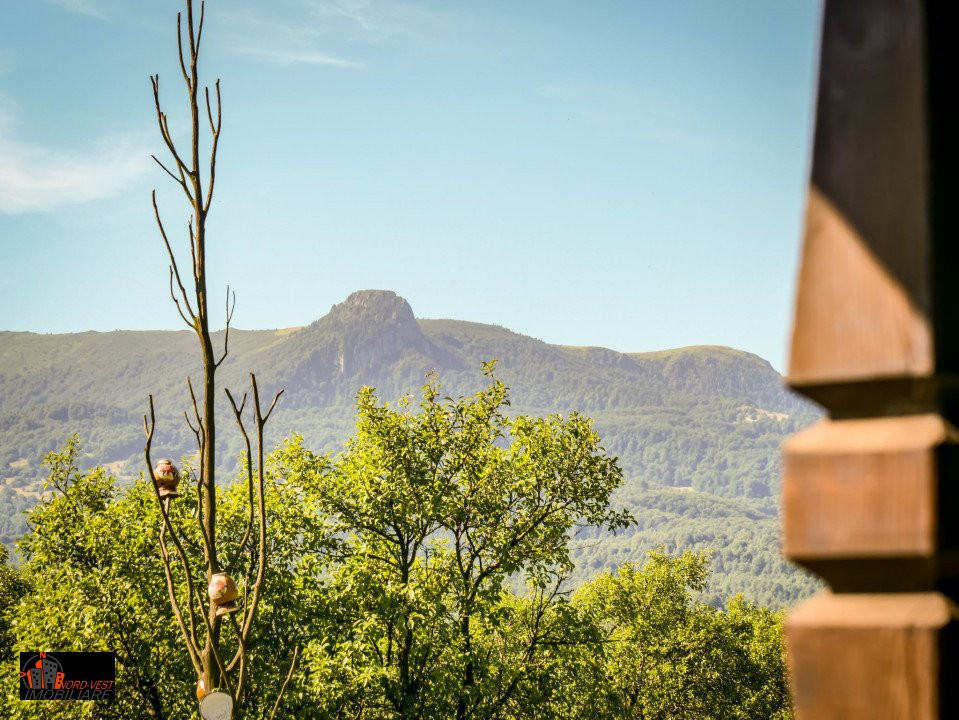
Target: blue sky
(623, 174)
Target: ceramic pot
(223, 592)
(166, 477)
(202, 688)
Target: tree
(422, 572)
(439, 511)
(217, 662)
(96, 583)
(13, 587)
(92, 564)
(654, 652)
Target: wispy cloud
(81, 7)
(373, 20)
(37, 178)
(358, 12)
(327, 32)
(280, 38)
(279, 55)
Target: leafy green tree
(13, 586)
(658, 654)
(758, 634)
(423, 571)
(439, 511)
(91, 562)
(96, 583)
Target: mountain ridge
(708, 417)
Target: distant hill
(696, 429)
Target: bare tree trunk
(193, 308)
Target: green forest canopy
(422, 573)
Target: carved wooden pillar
(871, 496)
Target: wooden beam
(870, 495)
(875, 656)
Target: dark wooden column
(871, 495)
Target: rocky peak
(370, 329)
(375, 310)
(360, 342)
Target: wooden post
(871, 495)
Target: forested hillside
(696, 430)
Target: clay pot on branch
(223, 593)
(202, 688)
(166, 477)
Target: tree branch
(241, 654)
(178, 180)
(199, 33)
(196, 414)
(196, 431)
(177, 303)
(238, 414)
(272, 405)
(226, 336)
(250, 611)
(189, 635)
(196, 266)
(164, 127)
(213, 646)
(179, 43)
(276, 705)
(201, 480)
(215, 131)
(192, 643)
(173, 266)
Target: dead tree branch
(230, 307)
(191, 304)
(253, 591)
(215, 131)
(238, 414)
(189, 634)
(261, 420)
